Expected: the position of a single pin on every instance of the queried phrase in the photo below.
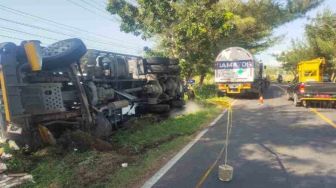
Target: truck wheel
(296, 100)
(63, 53)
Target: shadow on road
(277, 145)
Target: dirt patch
(98, 168)
(83, 141)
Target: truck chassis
(46, 90)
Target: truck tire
(296, 101)
(63, 53)
(158, 60)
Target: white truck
(237, 73)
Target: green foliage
(320, 42)
(272, 73)
(206, 91)
(155, 53)
(197, 31)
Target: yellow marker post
(225, 171)
(4, 96)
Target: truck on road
(238, 73)
(312, 85)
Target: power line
(35, 27)
(60, 33)
(21, 39)
(1, 35)
(46, 44)
(103, 3)
(17, 12)
(68, 27)
(27, 33)
(91, 11)
(94, 6)
(49, 21)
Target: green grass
(143, 147)
(154, 134)
(149, 161)
(57, 170)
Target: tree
(299, 52)
(196, 31)
(320, 41)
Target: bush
(205, 91)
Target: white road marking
(155, 178)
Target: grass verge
(145, 148)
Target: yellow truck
(312, 85)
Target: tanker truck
(238, 73)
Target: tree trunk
(202, 79)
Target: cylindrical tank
(235, 54)
(235, 64)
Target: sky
(88, 20)
(95, 26)
(292, 31)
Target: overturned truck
(46, 90)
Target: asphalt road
(272, 145)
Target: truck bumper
(237, 88)
(317, 97)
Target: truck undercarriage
(45, 90)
